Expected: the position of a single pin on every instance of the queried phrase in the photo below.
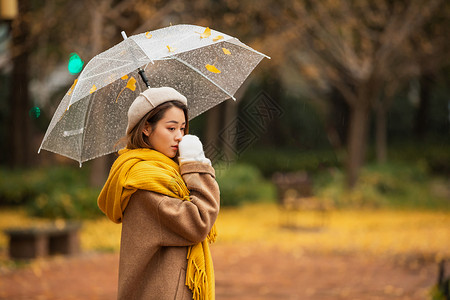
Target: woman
(163, 190)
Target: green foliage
(241, 183)
(437, 293)
(394, 185)
(78, 203)
(269, 161)
(56, 192)
(433, 155)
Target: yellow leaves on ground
(368, 232)
(212, 68)
(101, 234)
(377, 232)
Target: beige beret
(148, 100)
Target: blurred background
(350, 83)
(353, 106)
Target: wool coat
(157, 231)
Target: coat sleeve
(177, 222)
(189, 222)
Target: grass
(391, 186)
(372, 232)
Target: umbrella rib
(110, 70)
(83, 131)
(204, 76)
(87, 78)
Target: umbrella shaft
(144, 78)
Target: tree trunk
(336, 125)
(100, 165)
(231, 151)
(19, 122)
(381, 134)
(212, 144)
(421, 120)
(357, 140)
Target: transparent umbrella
(205, 65)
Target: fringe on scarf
(212, 235)
(196, 274)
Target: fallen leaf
(148, 35)
(124, 77)
(93, 89)
(131, 84)
(217, 38)
(226, 51)
(171, 49)
(72, 87)
(206, 33)
(212, 69)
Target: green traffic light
(75, 64)
(34, 112)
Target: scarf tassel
(196, 279)
(212, 235)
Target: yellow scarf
(131, 172)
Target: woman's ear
(147, 130)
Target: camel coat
(156, 233)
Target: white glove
(191, 149)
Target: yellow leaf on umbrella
(212, 69)
(226, 51)
(148, 35)
(217, 38)
(124, 77)
(72, 87)
(93, 89)
(131, 84)
(171, 49)
(206, 33)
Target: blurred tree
(362, 49)
(430, 46)
(19, 123)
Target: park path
(243, 272)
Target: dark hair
(137, 139)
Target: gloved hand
(191, 149)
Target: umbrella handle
(144, 78)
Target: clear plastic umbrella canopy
(205, 65)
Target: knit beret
(148, 100)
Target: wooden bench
(295, 194)
(33, 242)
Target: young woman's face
(168, 132)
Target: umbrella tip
(124, 35)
